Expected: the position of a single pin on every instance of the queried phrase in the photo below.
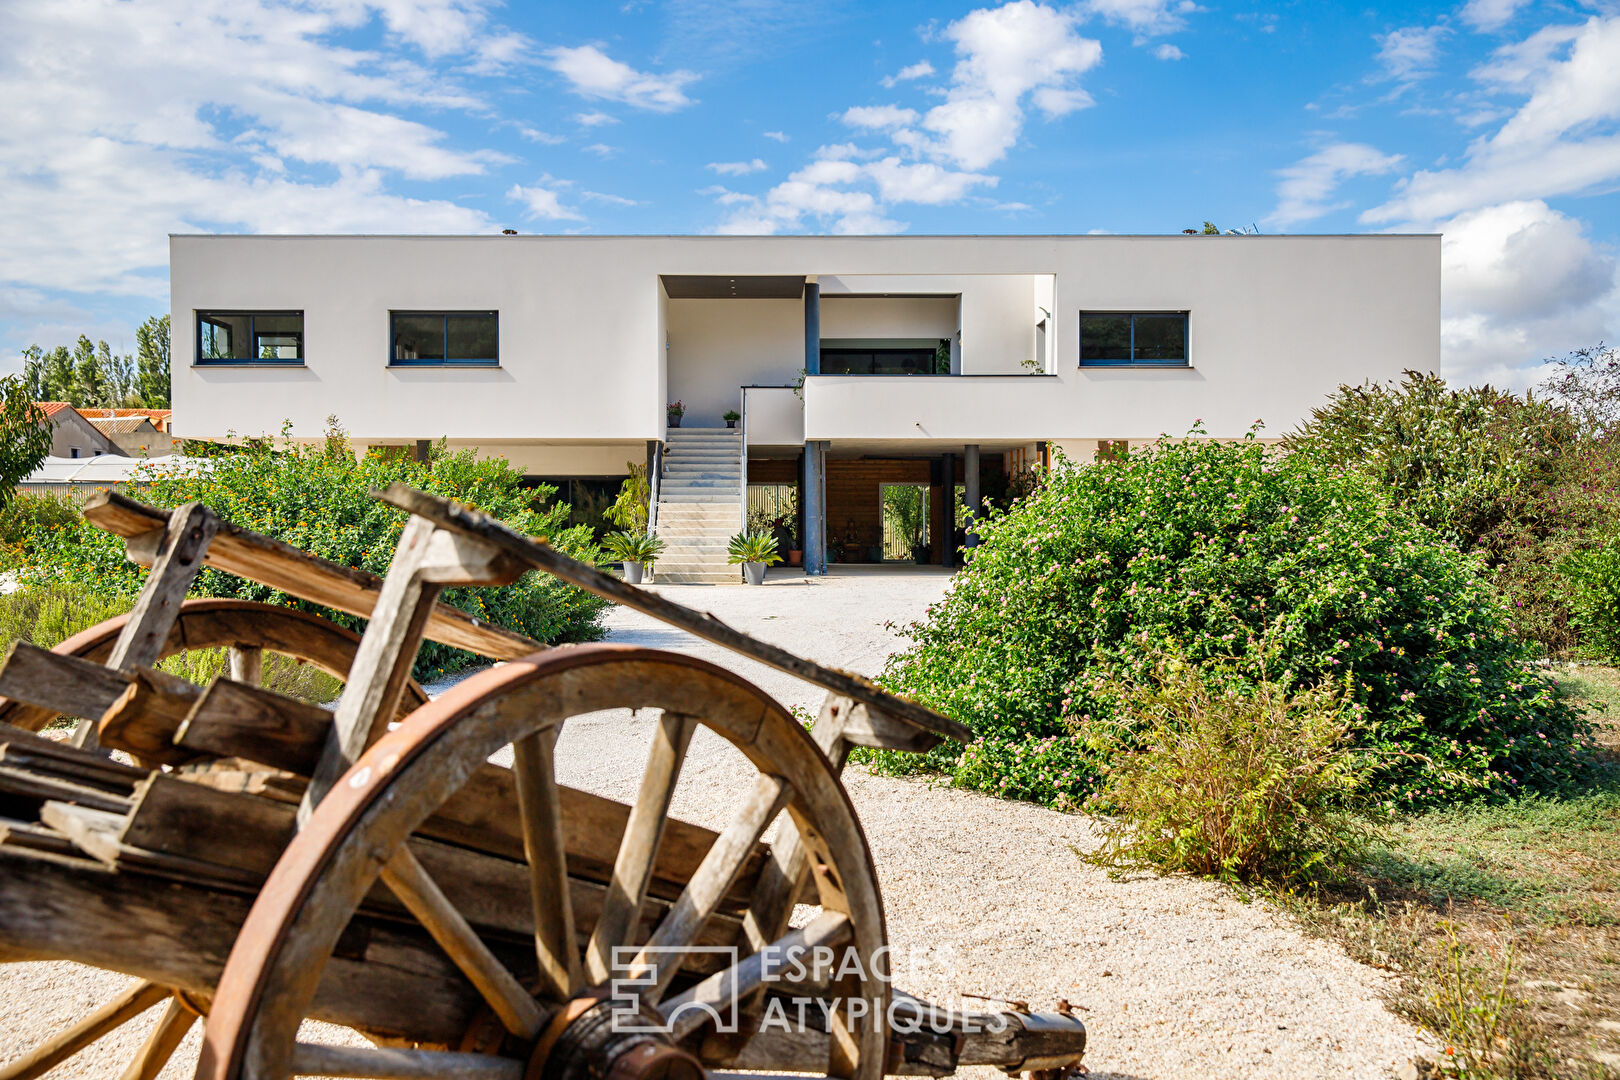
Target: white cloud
(1004, 55)
(1562, 140)
(593, 73)
(594, 118)
(920, 70)
(611, 200)
(1486, 15)
(1308, 185)
(1521, 282)
(1169, 52)
(922, 182)
(779, 136)
(879, 117)
(542, 137)
(542, 202)
(601, 150)
(1019, 55)
(1146, 17)
(738, 168)
(126, 122)
(1410, 52)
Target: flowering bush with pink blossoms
(1199, 549)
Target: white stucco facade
(593, 343)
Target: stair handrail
(656, 471)
(742, 464)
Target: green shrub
(47, 615)
(1196, 547)
(752, 547)
(643, 548)
(1218, 776)
(1522, 481)
(318, 498)
(1594, 575)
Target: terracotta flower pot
(795, 558)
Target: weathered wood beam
(386, 978)
(542, 556)
(256, 557)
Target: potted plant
(731, 417)
(637, 551)
(755, 551)
(675, 410)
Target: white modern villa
(855, 365)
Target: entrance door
(905, 522)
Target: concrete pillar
(812, 328)
(815, 507)
(424, 449)
(970, 481)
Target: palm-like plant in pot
(755, 551)
(638, 551)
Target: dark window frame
(1134, 362)
(203, 315)
(445, 314)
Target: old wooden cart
(267, 862)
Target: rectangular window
(844, 356)
(250, 337)
(444, 337)
(1133, 338)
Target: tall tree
(90, 384)
(152, 362)
(25, 435)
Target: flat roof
(799, 237)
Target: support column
(970, 481)
(812, 326)
(815, 507)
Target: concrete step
(702, 514)
(679, 578)
(686, 431)
(684, 468)
(705, 495)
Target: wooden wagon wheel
(248, 629)
(552, 1002)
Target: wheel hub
(593, 1039)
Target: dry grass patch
(1503, 921)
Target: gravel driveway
(983, 896)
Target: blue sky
(1496, 122)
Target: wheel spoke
(417, 891)
(313, 1059)
(117, 1012)
(161, 1044)
(632, 869)
(534, 769)
(709, 884)
(247, 664)
(727, 989)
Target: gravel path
(983, 896)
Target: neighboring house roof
(159, 417)
(105, 468)
(51, 408)
(119, 425)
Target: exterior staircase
(699, 505)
